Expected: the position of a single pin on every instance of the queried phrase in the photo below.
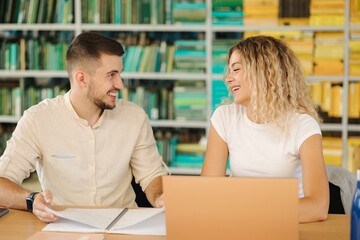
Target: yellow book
(354, 68)
(190, 148)
(336, 101)
(328, 67)
(332, 149)
(325, 100)
(353, 154)
(354, 100)
(326, 20)
(316, 94)
(331, 51)
(354, 45)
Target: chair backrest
(141, 199)
(344, 181)
(336, 206)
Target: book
(141, 221)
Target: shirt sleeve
(307, 126)
(146, 161)
(221, 121)
(21, 153)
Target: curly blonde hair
(277, 83)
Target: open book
(144, 221)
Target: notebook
(231, 208)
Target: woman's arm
(315, 204)
(216, 155)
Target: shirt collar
(76, 116)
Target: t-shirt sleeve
(307, 126)
(221, 121)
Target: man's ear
(80, 78)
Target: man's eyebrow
(112, 71)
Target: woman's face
(236, 82)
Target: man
(87, 145)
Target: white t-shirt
(255, 150)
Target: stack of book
(354, 55)
(188, 11)
(189, 56)
(261, 12)
(227, 12)
(329, 53)
(327, 13)
(190, 101)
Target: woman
(271, 129)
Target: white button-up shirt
(80, 164)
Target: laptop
(231, 208)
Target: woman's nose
(229, 78)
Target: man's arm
(12, 195)
(154, 192)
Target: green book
(14, 54)
(145, 59)
(146, 12)
(118, 11)
(136, 59)
(129, 58)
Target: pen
(117, 218)
(3, 211)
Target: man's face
(106, 82)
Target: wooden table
(20, 225)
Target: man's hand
(159, 202)
(41, 201)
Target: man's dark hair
(87, 48)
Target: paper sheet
(145, 221)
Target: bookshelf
(209, 28)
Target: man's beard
(102, 105)
(97, 101)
